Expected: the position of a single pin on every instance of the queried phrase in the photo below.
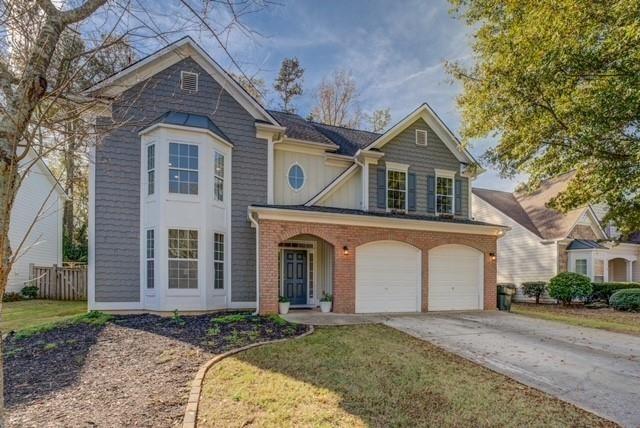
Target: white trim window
(218, 261)
(295, 177)
(444, 195)
(150, 265)
(218, 176)
(396, 189)
(151, 169)
(183, 168)
(183, 259)
(581, 266)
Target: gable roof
(531, 211)
(347, 140)
(427, 114)
(170, 55)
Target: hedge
(626, 300)
(604, 290)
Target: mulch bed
(133, 371)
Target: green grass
(604, 319)
(371, 376)
(32, 313)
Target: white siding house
(39, 202)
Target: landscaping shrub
(604, 290)
(29, 292)
(626, 300)
(534, 289)
(567, 286)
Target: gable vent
(421, 137)
(189, 81)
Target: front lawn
(605, 319)
(371, 376)
(31, 313)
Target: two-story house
(201, 199)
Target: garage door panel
(455, 278)
(388, 277)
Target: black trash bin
(505, 292)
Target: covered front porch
(604, 262)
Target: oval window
(296, 177)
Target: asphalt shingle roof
(348, 140)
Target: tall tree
(337, 101)
(379, 119)
(254, 86)
(288, 84)
(558, 81)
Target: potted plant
(325, 302)
(283, 303)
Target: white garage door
(455, 278)
(388, 277)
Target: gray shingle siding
(117, 179)
(423, 161)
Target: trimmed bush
(626, 300)
(604, 290)
(534, 289)
(29, 292)
(567, 286)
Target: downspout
(257, 226)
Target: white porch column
(629, 270)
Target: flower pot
(325, 307)
(284, 307)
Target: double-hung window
(218, 177)
(183, 168)
(581, 266)
(151, 258)
(444, 195)
(151, 169)
(218, 261)
(183, 258)
(396, 189)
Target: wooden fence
(60, 283)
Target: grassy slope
(605, 319)
(371, 376)
(32, 313)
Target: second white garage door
(455, 278)
(388, 277)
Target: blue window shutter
(458, 196)
(382, 187)
(412, 191)
(431, 194)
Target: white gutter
(257, 226)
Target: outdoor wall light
(345, 250)
(493, 256)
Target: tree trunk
(70, 171)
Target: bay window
(183, 259)
(183, 168)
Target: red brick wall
(344, 288)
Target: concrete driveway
(594, 369)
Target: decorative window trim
(218, 261)
(426, 137)
(452, 196)
(196, 76)
(151, 169)
(150, 251)
(186, 259)
(218, 178)
(304, 177)
(586, 266)
(190, 170)
(403, 169)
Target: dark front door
(295, 276)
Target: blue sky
(396, 50)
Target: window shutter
(431, 194)
(458, 196)
(382, 187)
(412, 191)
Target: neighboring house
(543, 242)
(37, 215)
(201, 199)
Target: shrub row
(626, 300)
(604, 290)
